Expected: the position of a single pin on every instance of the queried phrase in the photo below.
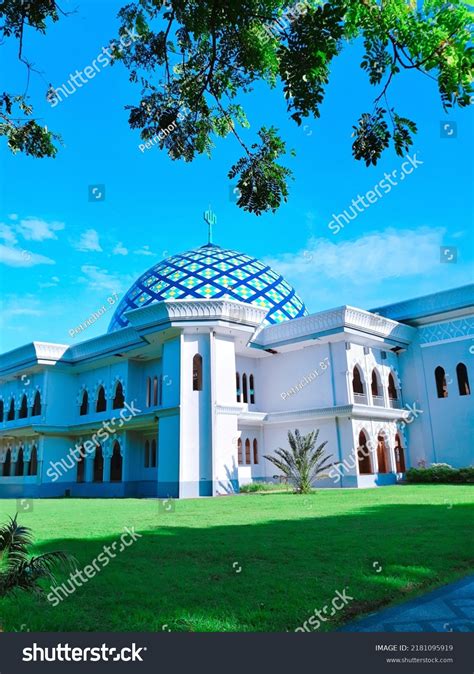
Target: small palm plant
(304, 463)
(19, 571)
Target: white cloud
(120, 249)
(100, 279)
(35, 229)
(49, 284)
(15, 257)
(89, 241)
(13, 216)
(7, 234)
(145, 250)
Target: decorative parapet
(447, 331)
(430, 305)
(333, 320)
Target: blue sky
(62, 256)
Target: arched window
(392, 389)
(441, 385)
(399, 455)
(33, 467)
(155, 390)
(98, 464)
(255, 451)
(375, 383)
(148, 391)
(20, 463)
(23, 413)
(153, 453)
(244, 388)
(237, 386)
(1, 410)
(240, 456)
(197, 372)
(84, 409)
(8, 463)
(463, 380)
(363, 455)
(81, 465)
(36, 409)
(119, 400)
(116, 464)
(147, 453)
(11, 411)
(251, 390)
(101, 404)
(382, 455)
(357, 385)
(247, 451)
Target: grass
(253, 487)
(259, 562)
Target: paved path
(448, 609)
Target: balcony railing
(360, 398)
(378, 401)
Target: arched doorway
(363, 456)
(382, 455)
(98, 465)
(8, 463)
(20, 463)
(399, 455)
(116, 464)
(33, 467)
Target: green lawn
(294, 552)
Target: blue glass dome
(212, 272)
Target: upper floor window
(375, 383)
(197, 372)
(441, 385)
(119, 399)
(245, 396)
(237, 386)
(255, 451)
(357, 385)
(23, 413)
(36, 409)
(392, 389)
(155, 391)
(11, 411)
(148, 391)
(101, 404)
(84, 408)
(463, 380)
(251, 389)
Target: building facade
(210, 359)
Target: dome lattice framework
(212, 272)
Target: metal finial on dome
(211, 218)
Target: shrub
(440, 474)
(260, 486)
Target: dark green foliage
(304, 462)
(440, 474)
(19, 571)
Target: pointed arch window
(8, 463)
(36, 409)
(197, 372)
(357, 385)
(155, 390)
(399, 455)
(81, 464)
(255, 451)
(11, 411)
(375, 383)
(153, 454)
(148, 391)
(116, 463)
(20, 463)
(119, 399)
(237, 386)
(33, 467)
(101, 404)
(98, 464)
(463, 380)
(240, 456)
(23, 413)
(441, 385)
(251, 390)
(363, 456)
(392, 389)
(247, 451)
(244, 389)
(84, 409)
